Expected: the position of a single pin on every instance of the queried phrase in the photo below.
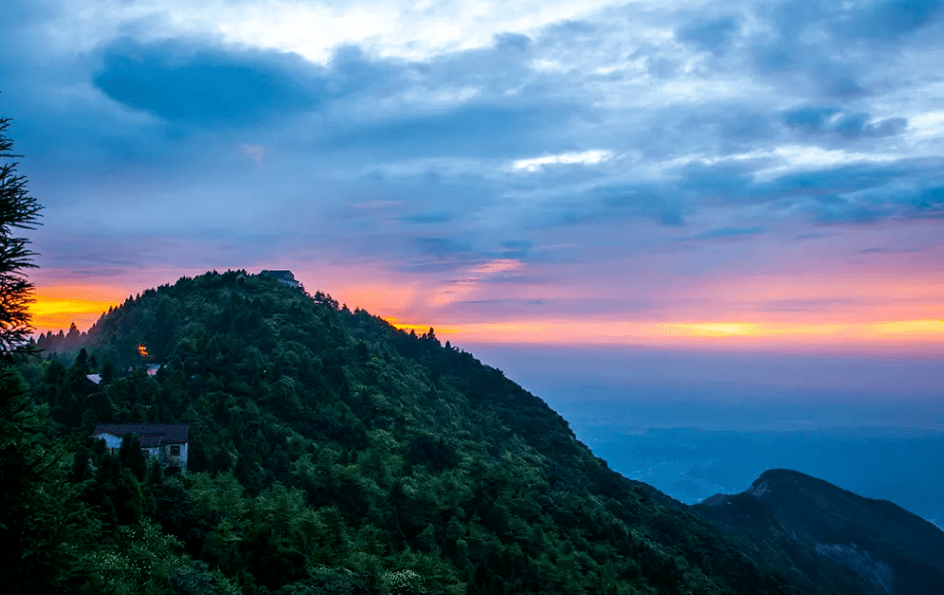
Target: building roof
(279, 274)
(149, 434)
(283, 277)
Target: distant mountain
(841, 540)
(332, 453)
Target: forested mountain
(333, 453)
(836, 536)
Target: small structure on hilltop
(165, 442)
(283, 277)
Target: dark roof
(149, 434)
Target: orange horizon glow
(583, 331)
(884, 326)
(416, 327)
(913, 336)
(55, 308)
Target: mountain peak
(331, 452)
(875, 541)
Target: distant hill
(838, 538)
(332, 453)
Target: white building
(166, 442)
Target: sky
(673, 175)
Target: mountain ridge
(877, 540)
(403, 454)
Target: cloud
(729, 233)
(582, 158)
(474, 129)
(572, 138)
(861, 193)
(838, 50)
(890, 20)
(623, 201)
(183, 81)
(849, 126)
(713, 35)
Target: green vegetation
(18, 210)
(845, 542)
(332, 453)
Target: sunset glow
(925, 336)
(419, 329)
(515, 178)
(832, 324)
(56, 308)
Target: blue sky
(560, 171)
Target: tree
(18, 210)
(40, 518)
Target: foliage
(333, 453)
(18, 210)
(839, 539)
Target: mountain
(838, 538)
(332, 453)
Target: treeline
(330, 453)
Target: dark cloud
(858, 193)
(828, 49)
(861, 193)
(888, 21)
(200, 82)
(714, 35)
(194, 82)
(850, 126)
(821, 70)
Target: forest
(329, 453)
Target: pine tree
(18, 210)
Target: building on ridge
(283, 277)
(167, 443)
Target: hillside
(333, 453)
(836, 536)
